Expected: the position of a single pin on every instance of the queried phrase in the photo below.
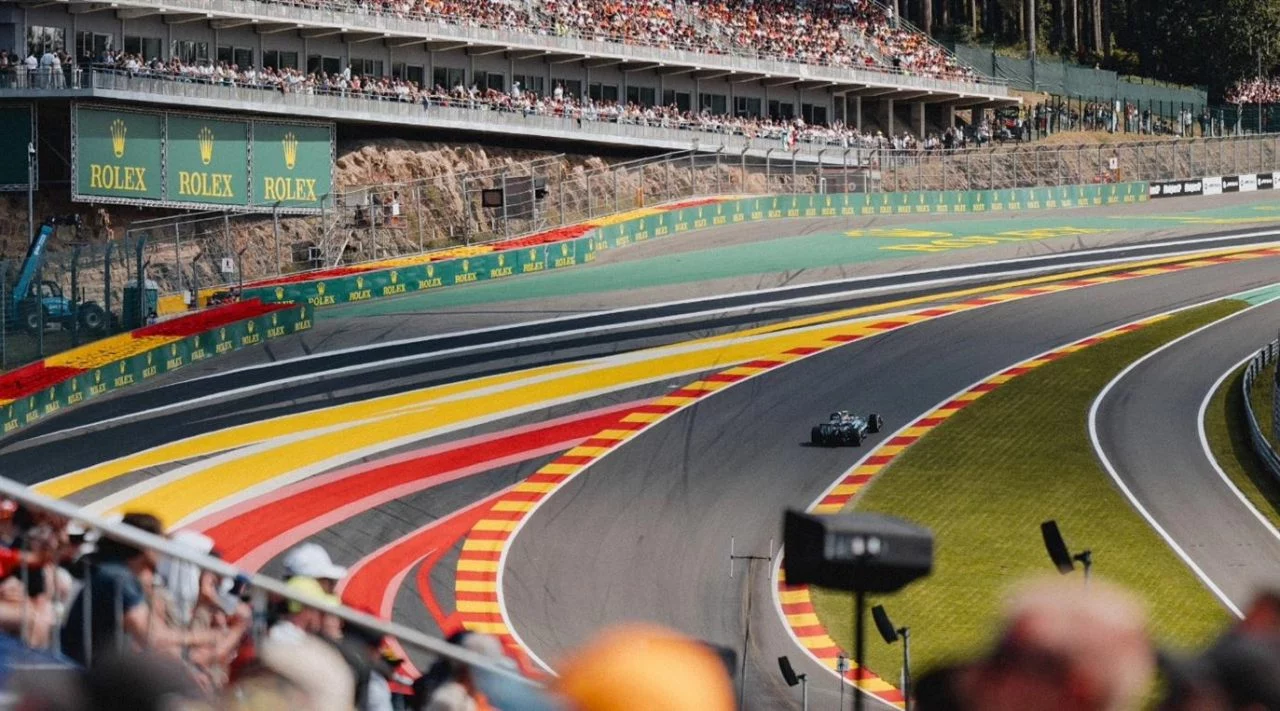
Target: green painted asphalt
(783, 254)
(1261, 296)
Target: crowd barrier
(45, 387)
(502, 263)
(1261, 445)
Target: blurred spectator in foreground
(120, 614)
(645, 667)
(306, 674)
(1063, 646)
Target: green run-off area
(986, 478)
(798, 253)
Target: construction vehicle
(30, 296)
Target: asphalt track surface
(1148, 426)
(644, 533)
(450, 356)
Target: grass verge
(1227, 430)
(986, 478)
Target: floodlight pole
(905, 632)
(841, 668)
(859, 646)
(746, 633)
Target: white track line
(1208, 452)
(656, 320)
(1115, 475)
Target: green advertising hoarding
(292, 164)
(207, 160)
(118, 154)
(180, 159)
(17, 126)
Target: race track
(1148, 426)
(645, 532)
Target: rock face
(433, 181)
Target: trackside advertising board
(152, 363)
(321, 293)
(175, 159)
(1214, 185)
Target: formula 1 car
(844, 427)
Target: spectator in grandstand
(301, 620)
(311, 560)
(463, 689)
(119, 609)
(193, 598)
(1259, 90)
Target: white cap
(311, 560)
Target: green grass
(986, 479)
(1227, 430)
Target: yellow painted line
(478, 566)
(674, 400)
(844, 490)
(477, 586)
(560, 469)
(827, 508)
(584, 451)
(175, 500)
(817, 641)
(478, 606)
(520, 506)
(534, 487)
(486, 545)
(791, 597)
(494, 524)
(806, 619)
(643, 417)
(243, 435)
(494, 628)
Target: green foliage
(1204, 42)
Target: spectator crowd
(841, 33)
(90, 622)
(782, 132)
(1259, 90)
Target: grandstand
(657, 75)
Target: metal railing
(435, 111)
(1262, 446)
(43, 614)
(1031, 165)
(732, 58)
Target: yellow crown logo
(533, 255)
(394, 277)
(564, 249)
(466, 265)
(275, 319)
(290, 144)
(500, 260)
(206, 145)
(249, 326)
(97, 376)
(118, 132)
(431, 270)
(280, 293)
(359, 282)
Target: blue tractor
(30, 297)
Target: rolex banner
(175, 159)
